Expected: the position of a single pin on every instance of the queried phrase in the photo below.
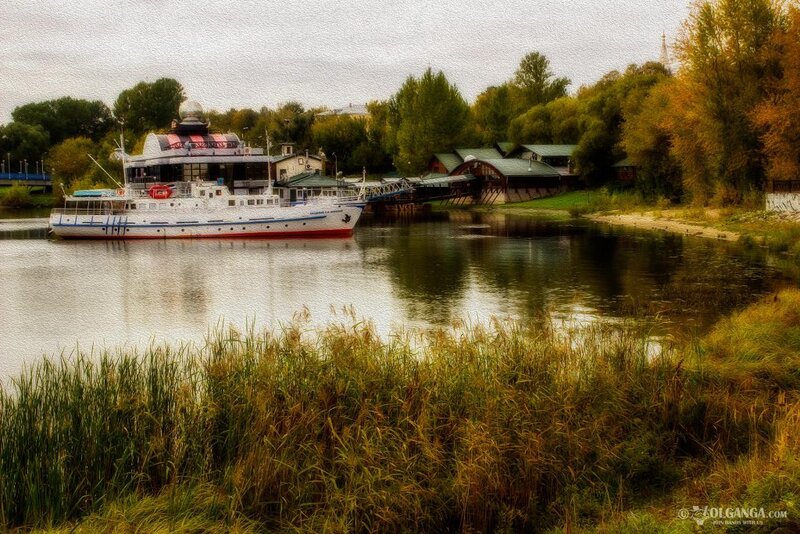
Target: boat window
(210, 195)
(219, 192)
(231, 203)
(153, 206)
(132, 206)
(241, 202)
(251, 202)
(260, 201)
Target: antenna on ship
(269, 164)
(124, 155)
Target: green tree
(341, 135)
(601, 118)
(23, 142)
(67, 117)
(492, 113)
(726, 63)
(149, 106)
(647, 141)
(535, 83)
(427, 115)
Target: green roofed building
(444, 163)
(478, 153)
(557, 156)
(625, 171)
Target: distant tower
(664, 60)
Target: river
(417, 272)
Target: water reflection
(414, 272)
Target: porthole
(286, 226)
(242, 227)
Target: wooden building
(501, 181)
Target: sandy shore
(649, 222)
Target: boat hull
(281, 222)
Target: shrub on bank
(16, 196)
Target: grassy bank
(755, 227)
(21, 196)
(499, 428)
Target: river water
(419, 272)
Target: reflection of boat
(170, 193)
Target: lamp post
(26, 169)
(335, 165)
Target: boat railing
(100, 210)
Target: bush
(16, 196)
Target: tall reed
(498, 427)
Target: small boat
(166, 193)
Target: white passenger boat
(180, 187)
(197, 209)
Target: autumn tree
(724, 51)
(69, 159)
(427, 115)
(777, 116)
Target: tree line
(714, 130)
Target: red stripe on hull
(277, 235)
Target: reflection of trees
(539, 265)
(428, 269)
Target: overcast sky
(252, 53)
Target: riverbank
(752, 227)
(649, 221)
(501, 427)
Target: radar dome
(190, 108)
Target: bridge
(30, 179)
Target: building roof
(478, 153)
(552, 150)
(449, 160)
(358, 110)
(308, 179)
(627, 162)
(505, 147)
(522, 167)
